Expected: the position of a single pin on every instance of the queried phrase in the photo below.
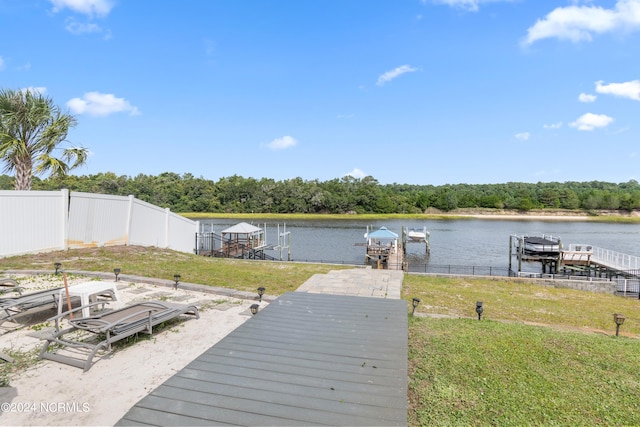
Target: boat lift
(284, 242)
(416, 235)
(544, 249)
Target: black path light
(176, 278)
(254, 308)
(260, 293)
(619, 319)
(414, 303)
(57, 266)
(116, 271)
(479, 309)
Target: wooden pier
(599, 262)
(387, 257)
(384, 250)
(579, 259)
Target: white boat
(417, 235)
(541, 245)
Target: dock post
(510, 251)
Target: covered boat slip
(306, 359)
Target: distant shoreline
(550, 215)
(431, 213)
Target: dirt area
(533, 213)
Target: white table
(86, 291)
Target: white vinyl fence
(42, 221)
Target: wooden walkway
(306, 359)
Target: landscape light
(254, 308)
(176, 278)
(57, 265)
(116, 271)
(479, 309)
(619, 319)
(260, 292)
(415, 303)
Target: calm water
(472, 242)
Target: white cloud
(2, 65)
(470, 5)
(101, 104)
(523, 136)
(81, 28)
(586, 97)
(356, 173)
(622, 130)
(85, 7)
(629, 90)
(553, 126)
(397, 72)
(577, 23)
(282, 143)
(590, 121)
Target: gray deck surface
(305, 359)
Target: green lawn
(539, 356)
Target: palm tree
(31, 129)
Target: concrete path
(362, 282)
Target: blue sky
(407, 91)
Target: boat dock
(599, 260)
(385, 257)
(579, 259)
(384, 250)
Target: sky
(406, 91)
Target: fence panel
(42, 221)
(182, 233)
(32, 221)
(148, 225)
(98, 220)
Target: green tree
(31, 129)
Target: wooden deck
(385, 257)
(306, 359)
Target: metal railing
(608, 258)
(468, 270)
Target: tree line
(237, 194)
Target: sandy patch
(52, 393)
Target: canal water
(454, 242)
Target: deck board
(306, 359)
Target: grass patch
(540, 356)
(521, 300)
(465, 372)
(21, 361)
(245, 275)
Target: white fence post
(64, 217)
(167, 217)
(129, 219)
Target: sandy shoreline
(52, 393)
(528, 217)
(536, 215)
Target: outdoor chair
(9, 285)
(12, 306)
(106, 328)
